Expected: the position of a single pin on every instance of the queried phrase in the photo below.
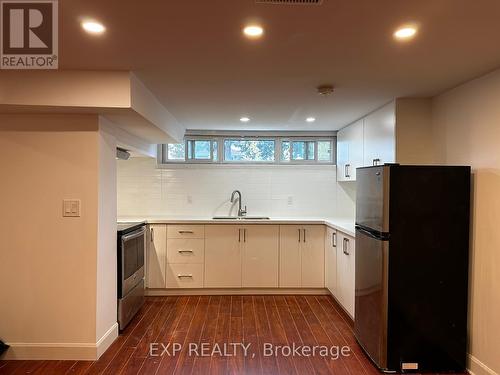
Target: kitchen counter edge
(341, 225)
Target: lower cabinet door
(313, 256)
(223, 256)
(156, 256)
(331, 260)
(346, 272)
(184, 275)
(260, 252)
(290, 262)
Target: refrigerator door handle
(376, 235)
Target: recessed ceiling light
(244, 119)
(310, 119)
(253, 31)
(93, 27)
(405, 33)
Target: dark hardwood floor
(217, 320)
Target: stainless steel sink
(241, 218)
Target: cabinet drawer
(185, 250)
(185, 231)
(185, 275)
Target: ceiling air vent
(290, 2)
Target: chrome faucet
(240, 211)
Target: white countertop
(342, 225)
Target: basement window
(248, 151)
(286, 148)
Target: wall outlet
(71, 207)
(290, 200)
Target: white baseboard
(61, 351)
(106, 340)
(235, 291)
(476, 367)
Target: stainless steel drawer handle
(186, 232)
(185, 276)
(299, 234)
(346, 246)
(185, 251)
(334, 239)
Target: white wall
(144, 190)
(106, 291)
(466, 124)
(48, 263)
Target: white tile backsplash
(144, 190)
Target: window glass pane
(215, 149)
(298, 150)
(202, 150)
(175, 151)
(310, 150)
(190, 149)
(324, 151)
(285, 150)
(248, 150)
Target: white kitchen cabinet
(331, 260)
(290, 256)
(183, 231)
(188, 250)
(379, 140)
(184, 275)
(313, 256)
(156, 256)
(349, 151)
(260, 253)
(302, 256)
(223, 256)
(346, 272)
(241, 256)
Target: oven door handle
(134, 234)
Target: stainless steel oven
(131, 247)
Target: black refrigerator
(412, 256)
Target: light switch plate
(71, 207)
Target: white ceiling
(193, 57)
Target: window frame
(193, 160)
(278, 140)
(256, 162)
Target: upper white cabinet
(379, 144)
(302, 256)
(399, 132)
(349, 151)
